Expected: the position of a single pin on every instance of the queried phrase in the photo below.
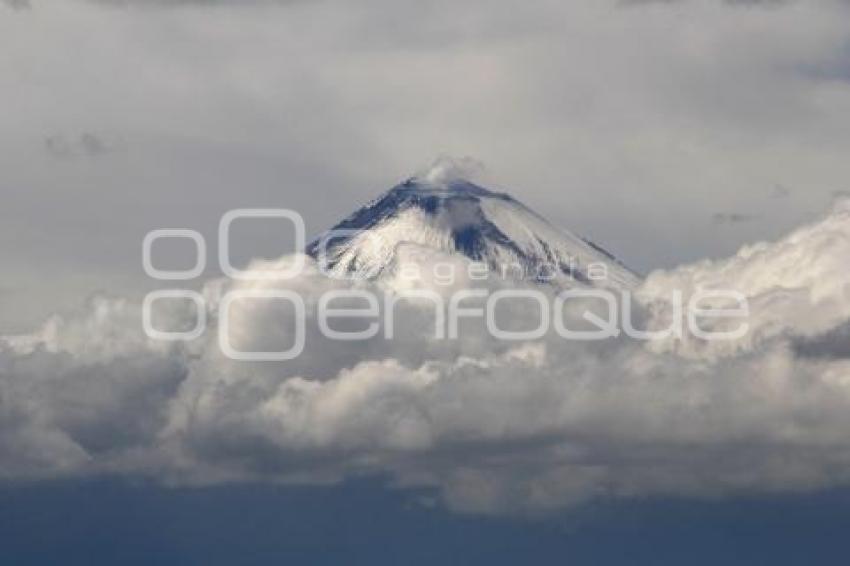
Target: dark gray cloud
(834, 344)
(835, 67)
(770, 3)
(200, 3)
(725, 218)
(92, 145)
(58, 146)
(86, 144)
(764, 3)
(780, 192)
(18, 4)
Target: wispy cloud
(200, 3)
(725, 218)
(780, 192)
(764, 3)
(86, 144)
(18, 4)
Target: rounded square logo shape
(224, 243)
(241, 355)
(156, 334)
(174, 275)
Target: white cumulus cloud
(496, 426)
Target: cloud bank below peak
(496, 427)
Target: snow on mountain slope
(441, 210)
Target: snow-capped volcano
(442, 210)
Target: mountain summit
(442, 210)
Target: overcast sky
(677, 134)
(667, 131)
